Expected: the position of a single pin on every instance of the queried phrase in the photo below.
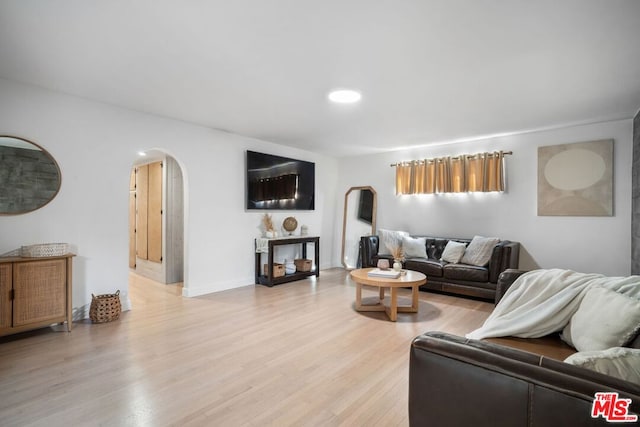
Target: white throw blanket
(542, 301)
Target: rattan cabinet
(34, 293)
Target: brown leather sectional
(508, 381)
(455, 381)
(460, 279)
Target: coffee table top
(412, 278)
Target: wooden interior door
(39, 291)
(142, 191)
(6, 279)
(154, 218)
(132, 229)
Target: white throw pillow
(453, 252)
(479, 251)
(619, 362)
(389, 237)
(603, 320)
(414, 247)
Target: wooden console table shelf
(268, 279)
(34, 293)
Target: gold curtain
(425, 177)
(481, 172)
(443, 181)
(494, 172)
(403, 178)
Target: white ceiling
(429, 70)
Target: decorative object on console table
(105, 308)
(290, 224)
(267, 223)
(278, 270)
(302, 264)
(289, 267)
(304, 230)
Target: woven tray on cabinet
(44, 250)
(105, 308)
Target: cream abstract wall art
(576, 179)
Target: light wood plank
(296, 354)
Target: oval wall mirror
(360, 206)
(29, 176)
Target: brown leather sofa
(454, 278)
(455, 381)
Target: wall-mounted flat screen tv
(275, 182)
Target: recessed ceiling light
(344, 96)
(141, 153)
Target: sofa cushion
(389, 238)
(619, 362)
(479, 251)
(453, 252)
(603, 320)
(465, 272)
(430, 267)
(435, 247)
(414, 247)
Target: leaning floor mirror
(360, 205)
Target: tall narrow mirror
(360, 205)
(29, 176)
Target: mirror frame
(55, 163)
(344, 217)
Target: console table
(268, 279)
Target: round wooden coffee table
(412, 279)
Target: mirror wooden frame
(54, 164)
(374, 212)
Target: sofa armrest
(454, 381)
(368, 250)
(505, 280)
(506, 254)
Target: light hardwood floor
(295, 354)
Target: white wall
(588, 244)
(95, 146)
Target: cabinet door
(154, 220)
(39, 291)
(142, 196)
(5, 295)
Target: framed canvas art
(576, 179)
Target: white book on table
(390, 274)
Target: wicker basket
(44, 250)
(303, 264)
(278, 269)
(105, 308)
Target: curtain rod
(504, 153)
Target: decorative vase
(397, 265)
(383, 264)
(289, 267)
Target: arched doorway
(156, 217)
